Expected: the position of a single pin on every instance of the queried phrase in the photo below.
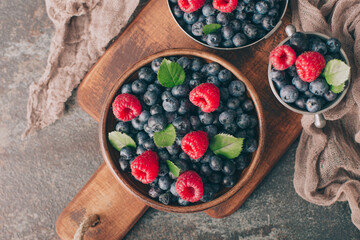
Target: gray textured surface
(40, 175)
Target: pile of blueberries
(235, 115)
(313, 96)
(250, 21)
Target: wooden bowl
(108, 121)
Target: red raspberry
(225, 5)
(206, 96)
(189, 6)
(309, 65)
(145, 167)
(126, 107)
(282, 57)
(189, 186)
(195, 144)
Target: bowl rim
(270, 33)
(246, 176)
(333, 104)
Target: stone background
(40, 175)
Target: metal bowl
(319, 119)
(283, 7)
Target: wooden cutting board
(151, 31)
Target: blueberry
(229, 181)
(163, 170)
(173, 189)
(301, 102)
(233, 103)
(182, 164)
(328, 58)
(146, 74)
(127, 153)
(216, 163)
(183, 202)
(157, 122)
(272, 3)
(227, 32)
(155, 64)
(208, 10)
(141, 137)
(196, 65)
(289, 94)
(330, 96)
(257, 18)
(230, 128)
(208, 193)
(170, 104)
(308, 94)
(126, 88)
(210, 20)
(253, 121)
(215, 177)
(313, 104)
(250, 7)
(292, 71)
(173, 149)
(243, 121)
(227, 117)
(262, 7)
(155, 192)
(173, 58)
(156, 109)
(229, 167)
(211, 131)
(163, 155)
(300, 84)
(149, 144)
(124, 164)
(213, 39)
(154, 88)
(144, 116)
(165, 198)
(240, 15)
(250, 145)
(241, 162)
(184, 62)
(213, 68)
(206, 118)
(224, 95)
(319, 87)
(194, 122)
(228, 43)
(164, 182)
(236, 25)
(182, 125)
(165, 95)
(214, 80)
(180, 90)
(194, 83)
(138, 86)
(240, 6)
(273, 12)
(205, 169)
(248, 105)
(140, 150)
(122, 127)
(239, 111)
(137, 124)
(191, 18)
(224, 76)
(223, 18)
(250, 30)
(150, 98)
(333, 45)
(239, 39)
(261, 32)
(319, 46)
(178, 13)
(268, 22)
(278, 77)
(236, 88)
(201, 18)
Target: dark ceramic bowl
(111, 156)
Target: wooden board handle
(103, 195)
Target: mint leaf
(336, 72)
(226, 145)
(337, 89)
(175, 170)
(170, 73)
(211, 28)
(166, 137)
(119, 140)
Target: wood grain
(151, 31)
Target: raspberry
(145, 167)
(309, 65)
(189, 6)
(126, 107)
(225, 5)
(189, 186)
(195, 144)
(282, 57)
(206, 96)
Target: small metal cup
(319, 120)
(283, 6)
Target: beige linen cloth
(327, 166)
(83, 28)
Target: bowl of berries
(228, 24)
(182, 130)
(309, 73)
